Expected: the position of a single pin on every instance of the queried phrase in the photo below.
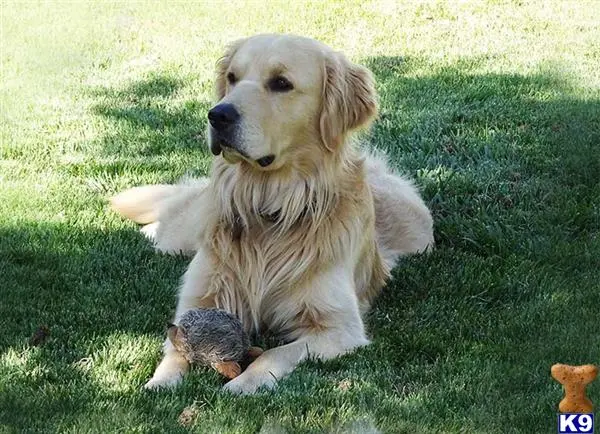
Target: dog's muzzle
(224, 120)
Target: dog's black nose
(222, 116)
(265, 161)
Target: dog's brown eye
(231, 78)
(280, 84)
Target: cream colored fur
(342, 218)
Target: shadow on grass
(106, 313)
(78, 279)
(148, 118)
(504, 159)
(509, 165)
(152, 125)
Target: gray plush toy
(215, 338)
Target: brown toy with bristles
(574, 379)
(215, 338)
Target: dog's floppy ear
(223, 65)
(349, 99)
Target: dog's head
(281, 94)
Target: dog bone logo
(574, 379)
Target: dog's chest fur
(263, 262)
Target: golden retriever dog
(297, 228)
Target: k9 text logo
(576, 423)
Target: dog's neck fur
(246, 196)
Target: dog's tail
(142, 204)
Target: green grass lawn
(493, 107)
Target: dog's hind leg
(403, 223)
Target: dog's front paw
(250, 382)
(160, 382)
(169, 372)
